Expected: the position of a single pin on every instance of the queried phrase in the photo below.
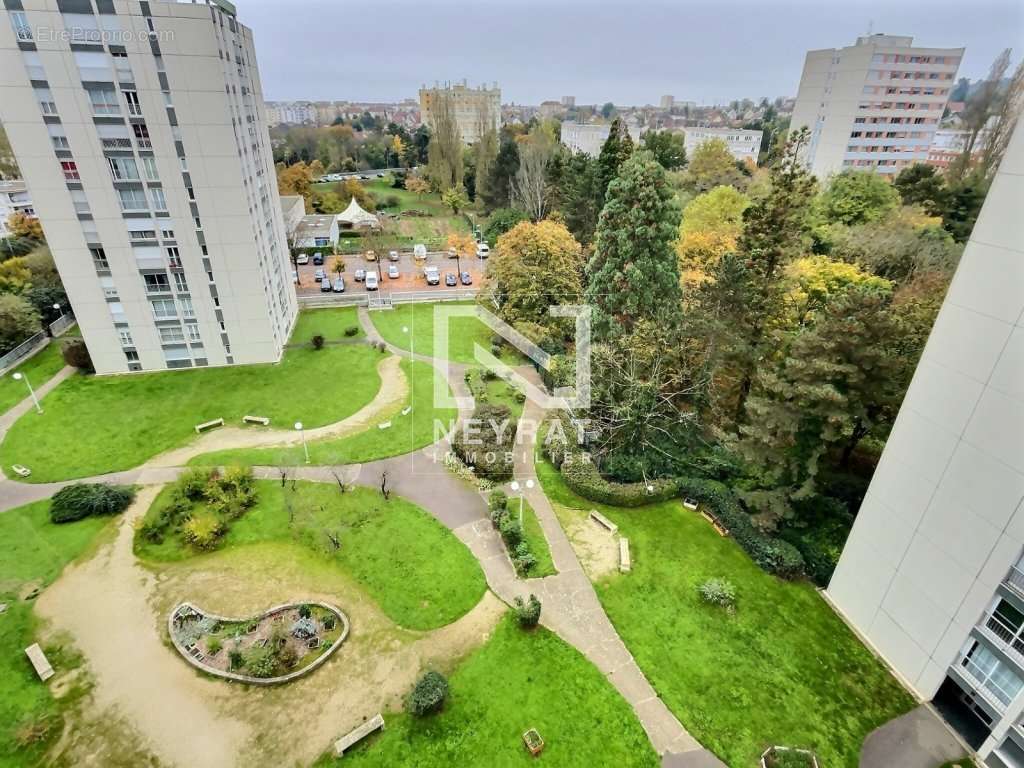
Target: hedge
(82, 500)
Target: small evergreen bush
(428, 695)
(82, 500)
(527, 613)
(718, 592)
(352, 330)
(317, 341)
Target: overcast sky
(627, 51)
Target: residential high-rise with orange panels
(875, 105)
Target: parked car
(325, 285)
(450, 280)
(432, 275)
(371, 255)
(393, 272)
(467, 279)
(360, 275)
(318, 259)
(302, 258)
(419, 251)
(371, 281)
(339, 284)
(319, 275)
(483, 250)
(392, 255)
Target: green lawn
(411, 327)
(783, 670)
(329, 323)
(535, 537)
(93, 425)
(416, 570)
(38, 369)
(34, 550)
(407, 433)
(518, 680)
(496, 392)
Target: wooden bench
(209, 425)
(38, 658)
(722, 530)
(21, 471)
(603, 521)
(625, 564)
(350, 739)
(264, 420)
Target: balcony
(985, 686)
(116, 143)
(1015, 580)
(1003, 636)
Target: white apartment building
(138, 127)
(14, 198)
(933, 571)
(742, 144)
(476, 109)
(874, 105)
(589, 138)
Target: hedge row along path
(571, 608)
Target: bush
(428, 695)
(497, 500)
(317, 341)
(193, 483)
(524, 560)
(788, 758)
(213, 646)
(511, 531)
(262, 662)
(718, 592)
(235, 659)
(487, 449)
(76, 354)
(81, 500)
(584, 478)
(203, 530)
(352, 330)
(528, 613)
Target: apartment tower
(873, 106)
(476, 109)
(933, 571)
(139, 129)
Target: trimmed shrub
(527, 613)
(524, 560)
(511, 531)
(486, 442)
(76, 354)
(305, 611)
(203, 530)
(352, 330)
(497, 500)
(235, 659)
(718, 592)
(82, 500)
(584, 478)
(317, 341)
(428, 695)
(213, 646)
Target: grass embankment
(38, 369)
(411, 327)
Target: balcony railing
(986, 687)
(1005, 636)
(116, 143)
(1015, 578)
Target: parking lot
(410, 277)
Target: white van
(419, 251)
(371, 281)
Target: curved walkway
(571, 606)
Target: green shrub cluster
(82, 500)
(788, 758)
(527, 612)
(486, 442)
(352, 330)
(511, 531)
(718, 592)
(201, 507)
(428, 695)
(582, 476)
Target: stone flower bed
(277, 646)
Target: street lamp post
(305, 447)
(32, 392)
(517, 488)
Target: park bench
(407, 410)
(690, 503)
(38, 658)
(384, 425)
(625, 564)
(603, 521)
(264, 420)
(350, 739)
(209, 425)
(713, 519)
(21, 471)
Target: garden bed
(277, 646)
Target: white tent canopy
(354, 217)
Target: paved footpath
(571, 607)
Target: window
(60, 141)
(21, 28)
(104, 101)
(132, 99)
(33, 65)
(149, 166)
(159, 201)
(79, 199)
(131, 355)
(46, 102)
(180, 283)
(193, 334)
(142, 136)
(124, 70)
(132, 199)
(184, 163)
(187, 309)
(99, 258)
(123, 168)
(70, 170)
(141, 234)
(173, 257)
(167, 99)
(157, 283)
(167, 232)
(164, 309)
(171, 335)
(126, 337)
(996, 676)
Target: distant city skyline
(629, 54)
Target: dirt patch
(116, 611)
(596, 548)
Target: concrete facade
(476, 109)
(14, 198)
(933, 574)
(743, 145)
(139, 130)
(589, 138)
(874, 105)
